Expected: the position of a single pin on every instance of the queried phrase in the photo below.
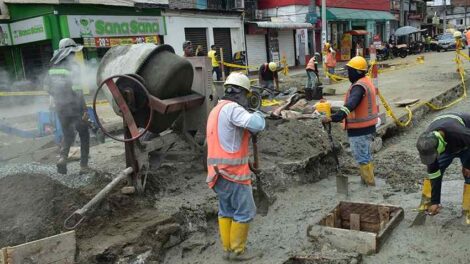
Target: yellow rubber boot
(238, 238)
(425, 195)
(367, 173)
(225, 225)
(466, 203)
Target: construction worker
(267, 75)
(359, 116)
(212, 54)
(63, 84)
(458, 40)
(312, 71)
(188, 49)
(330, 58)
(228, 135)
(446, 138)
(467, 37)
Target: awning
(334, 13)
(282, 25)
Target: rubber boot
(225, 224)
(238, 238)
(367, 173)
(466, 203)
(425, 195)
(62, 165)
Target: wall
(265, 4)
(381, 5)
(177, 22)
(292, 13)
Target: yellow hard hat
(457, 34)
(238, 79)
(327, 45)
(272, 66)
(358, 63)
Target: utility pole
(465, 19)
(444, 22)
(402, 13)
(323, 24)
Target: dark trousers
(70, 124)
(218, 72)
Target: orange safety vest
(232, 166)
(330, 60)
(311, 64)
(366, 113)
(467, 36)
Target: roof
(333, 13)
(357, 32)
(282, 25)
(92, 2)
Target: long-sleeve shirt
(354, 99)
(456, 128)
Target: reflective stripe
(458, 118)
(236, 177)
(358, 120)
(434, 175)
(59, 72)
(237, 161)
(76, 87)
(345, 110)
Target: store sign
(115, 26)
(105, 42)
(5, 38)
(346, 46)
(29, 30)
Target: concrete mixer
(156, 92)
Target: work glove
(434, 209)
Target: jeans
(361, 148)
(311, 79)
(70, 124)
(331, 70)
(235, 200)
(218, 72)
(446, 159)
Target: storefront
(349, 29)
(282, 40)
(99, 33)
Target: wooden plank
(384, 216)
(355, 222)
(330, 220)
(387, 230)
(60, 248)
(3, 256)
(349, 240)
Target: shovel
(260, 196)
(341, 180)
(420, 219)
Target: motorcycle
(400, 50)
(416, 47)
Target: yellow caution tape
(24, 93)
(266, 102)
(231, 65)
(390, 113)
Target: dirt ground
(175, 221)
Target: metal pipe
(79, 215)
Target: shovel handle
(254, 140)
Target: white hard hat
(457, 34)
(66, 43)
(272, 66)
(239, 80)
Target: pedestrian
(446, 138)
(212, 54)
(200, 51)
(458, 40)
(312, 72)
(188, 49)
(268, 77)
(359, 116)
(427, 41)
(228, 135)
(330, 58)
(63, 85)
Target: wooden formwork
(359, 227)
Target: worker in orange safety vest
(229, 129)
(359, 116)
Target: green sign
(29, 30)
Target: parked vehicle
(446, 42)
(416, 47)
(400, 50)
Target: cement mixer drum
(164, 74)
